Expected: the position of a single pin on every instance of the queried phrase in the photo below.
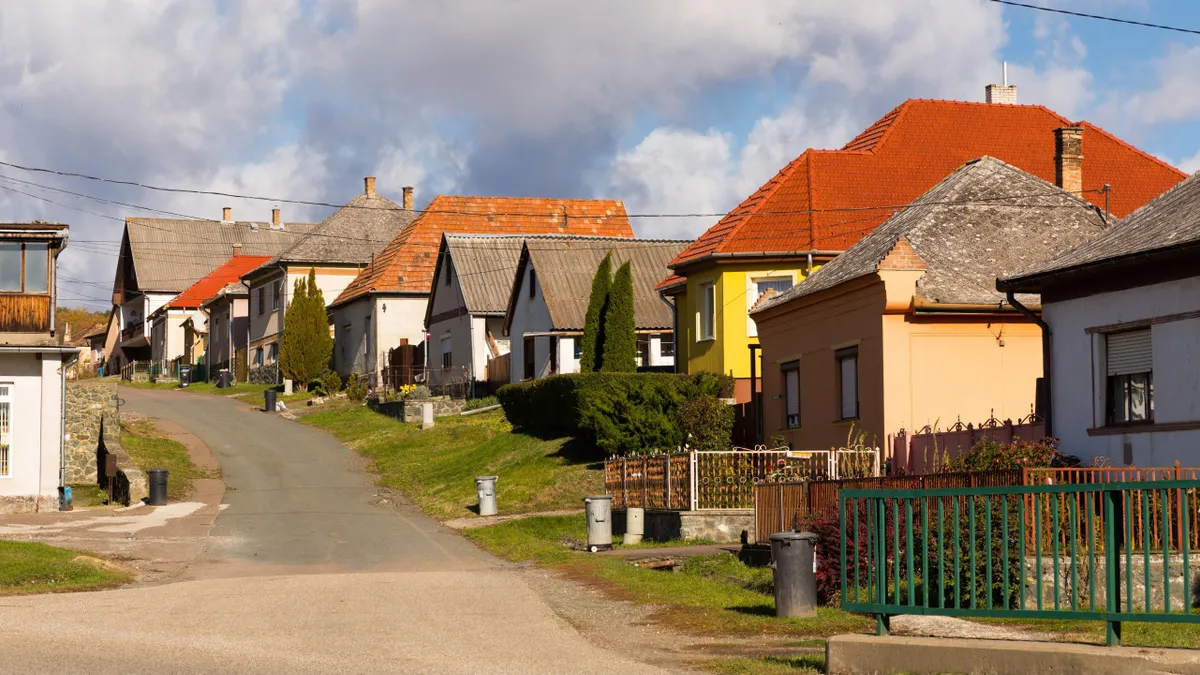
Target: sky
(674, 106)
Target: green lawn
(770, 665)
(1133, 634)
(437, 468)
(27, 567)
(709, 595)
(150, 450)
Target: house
(386, 305)
(906, 329)
(553, 283)
(1122, 331)
(337, 250)
(228, 330)
(160, 257)
(824, 201)
(181, 326)
(33, 367)
(94, 340)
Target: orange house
(906, 328)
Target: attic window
(24, 267)
(532, 283)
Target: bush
(620, 325)
(477, 403)
(356, 388)
(706, 423)
(419, 393)
(305, 345)
(991, 455)
(326, 385)
(593, 324)
(620, 413)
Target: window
(5, 429)
(276, 293)
(847, 360)
(262, 299)
(273, 352)
(24, 268)
(1130, 377)
(706, 312)
(578, 348)
(447, 353)
(791, 394)
(553, 354)
(528, 349)
(667, 345)
(643, 349)
(532, 282)
(258, 357)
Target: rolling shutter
(1130, 353)
(792, 378)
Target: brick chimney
(275, 218)
(1068, 159)
(227, 214)
(408, 192)
(237, 250)
(369, 185)
(1001, 93)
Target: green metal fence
(1043, 551)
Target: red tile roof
(231, 271)
(826, 200)
(406, 265)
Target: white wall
(529, 315)
(1078, 389)
(167, 334)
(403, 319)
(351, 323)
(35, 423)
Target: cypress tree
(591, 359)
(306, 345)
(620, 325)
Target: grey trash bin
(185, 376)
(486, 487)
(158, 486)
(599, 522)
(223, 379)
(794, 557)
(269, 400)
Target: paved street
(305, 571)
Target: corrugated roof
(485, 266)
(1170, 220)
(565, 268)
(228, 273)
(406, 265)
(168, 255)
(352, 234)
(985, 220)
(829, 199)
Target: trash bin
(486, 486)
(224, 379)
(158, 486)
(269, 400)
(635, 525)
(599, 522)
(185, 376)
(794, 557)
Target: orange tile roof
(231, 271)
(826, 200)
(406, 265)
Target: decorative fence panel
(658, 482)
(928, 450)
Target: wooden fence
(658, 482)
(929, 450)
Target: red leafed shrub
(826, 526)
(991, 455)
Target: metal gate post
(1112, 559)
(692, 468)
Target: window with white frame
(847, 363)
(1129, 359)
(276, 293)
(5, 428)
(447, 352)
(706, 312)
(791, 394)
(666, 344)
(261, 297)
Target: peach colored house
(906, 328)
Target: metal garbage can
(794, 559)
(224, 379)
(158, 486)
(185, 376)
(599, 522)
(269, 400)
(635, 525)
(486, 487)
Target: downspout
(674, 328)
(62, 435)
(1046, 358)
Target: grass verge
(436, 468)
(27, 567)
(149, 449)
(770, 665)
(713, 595)
(1133, 634)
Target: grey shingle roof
(566, 266)
(352, 234)
(170, 255)
(1169, 220)
(485, 266)
(985, 220)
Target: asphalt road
(306, 573)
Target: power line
(1098, 17)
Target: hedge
(619, 412)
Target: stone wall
(264, 375)
(91, 406)
(410, 411)
(721, 526)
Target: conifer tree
(620, 325)
(591, 359)
(306, 345)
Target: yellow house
(906, 328)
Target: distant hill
(81, 321)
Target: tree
(306, 344)
(620, 325)
(591, 357)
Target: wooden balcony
(24, 313)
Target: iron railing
(989, 552)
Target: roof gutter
(807, 254)
(924, 306)
(1047, 363)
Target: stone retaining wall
(410, 411)
(91, 410)
(724, 525)
(264, 375)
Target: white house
(33, 366)
(385, 307)
(551, 288)
(1122, 326)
